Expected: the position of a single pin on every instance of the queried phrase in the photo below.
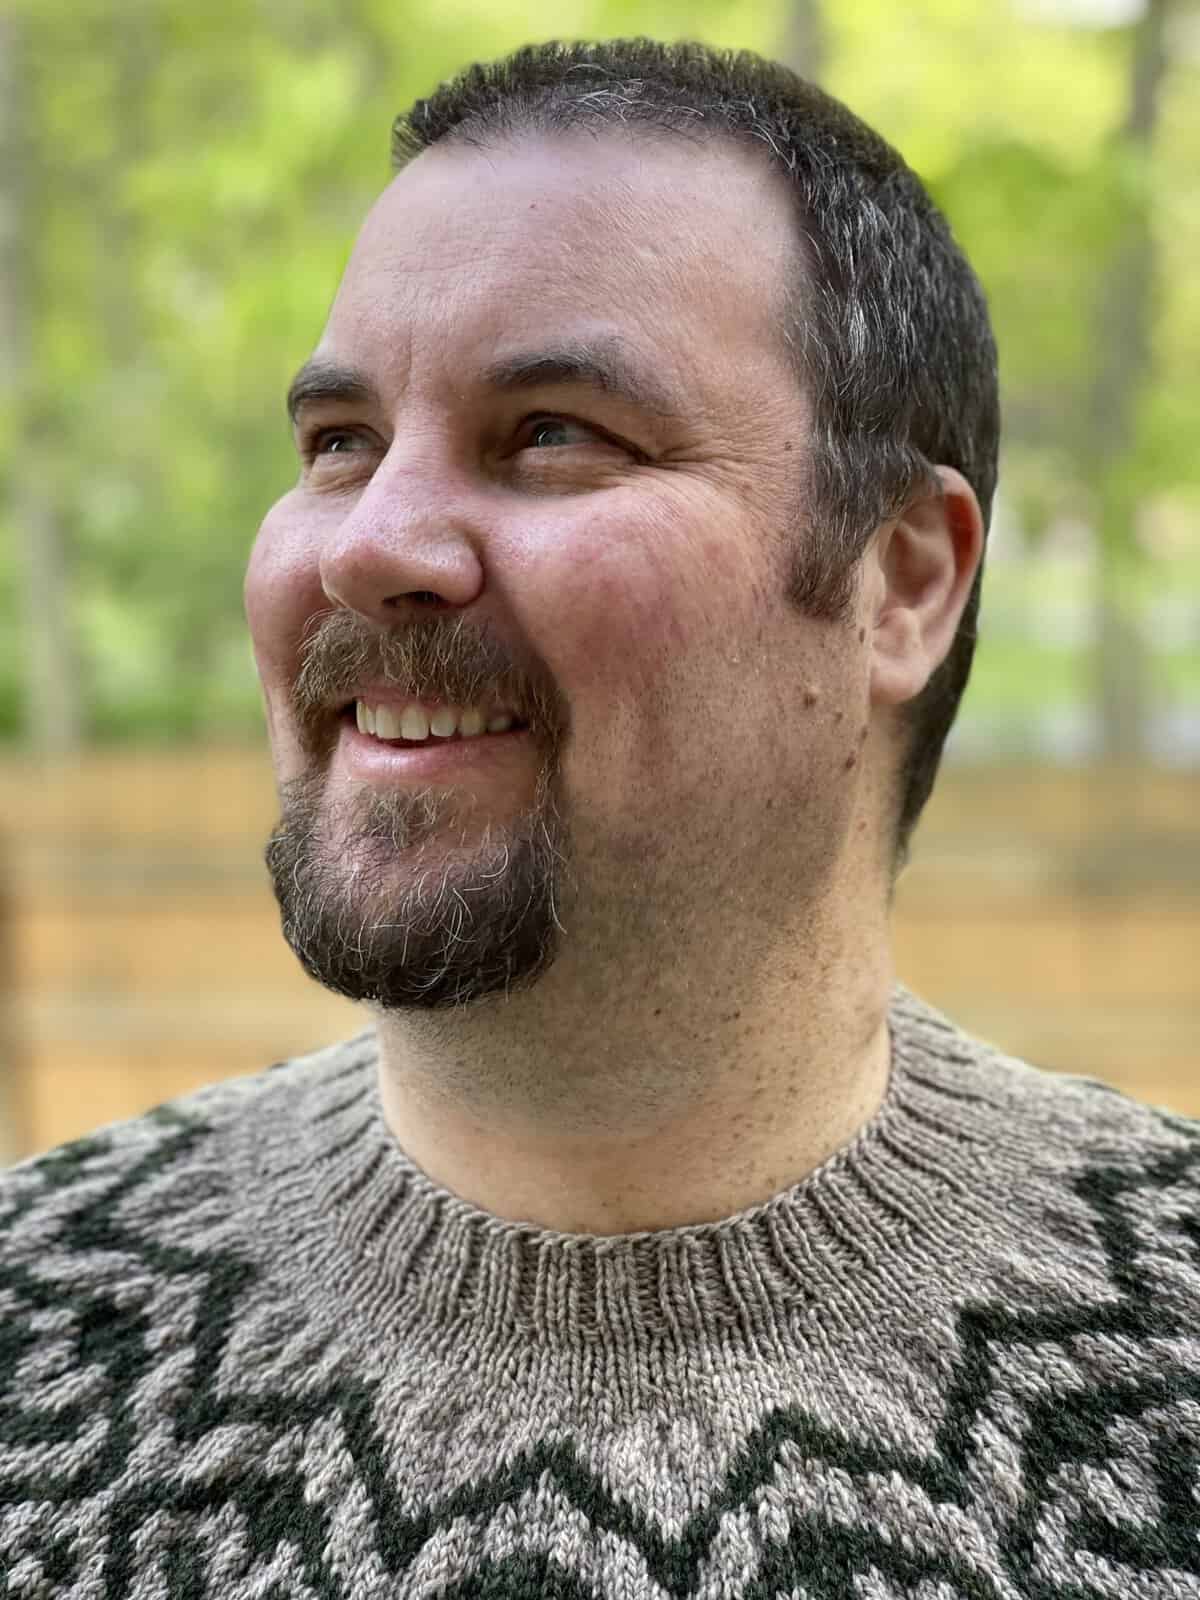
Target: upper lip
(383, 693)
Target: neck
(632, 1096)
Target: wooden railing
(1056, 914)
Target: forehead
(682, 249)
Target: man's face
(551, 461)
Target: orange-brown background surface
(1055, 913)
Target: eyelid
(605, 435)
(537, 418)
(312, 439)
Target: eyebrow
(321, 379)
(603, 366)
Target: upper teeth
(415, 722)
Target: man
(653, 1241)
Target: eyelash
(541, 419)
(316, 443)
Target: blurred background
(179, 189)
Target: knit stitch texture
(250, 1350)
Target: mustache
(459, 661)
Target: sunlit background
(179, 188)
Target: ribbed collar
(897, 1209)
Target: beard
(381, 903)
(378, 904)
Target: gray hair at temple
(887, 322)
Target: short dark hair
(889, 324)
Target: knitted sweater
(250, 1350)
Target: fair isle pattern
(250, 1351)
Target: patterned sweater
(250, 1350)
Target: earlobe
(925, 560)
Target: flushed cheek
(633, 646)
(638, 590)
(280, 593)
(621, 630)
(283, 573)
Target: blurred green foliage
(191, 179)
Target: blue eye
(333, 441)
(547, 433)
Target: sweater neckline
(880, 1217)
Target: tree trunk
(16, 1059)
(1123, 338)
(805, 46)
(52, 698)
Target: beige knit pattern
(249, 1350)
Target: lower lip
(375, 758)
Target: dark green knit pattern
(987, 1387)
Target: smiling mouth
(349, 715)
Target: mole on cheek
(862, 634)
(810, 698)
(851, 761)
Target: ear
(919, 574)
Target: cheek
(257, 588)
(642, 601)
(644, 624)
(281, 592)
(282, 587)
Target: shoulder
(122, 1257)
(68, 1212)
(1067, 1112)
(77, 1189)
(130, 1266)
(1052, 1150)
(1089, 1195)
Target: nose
(407, 544)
